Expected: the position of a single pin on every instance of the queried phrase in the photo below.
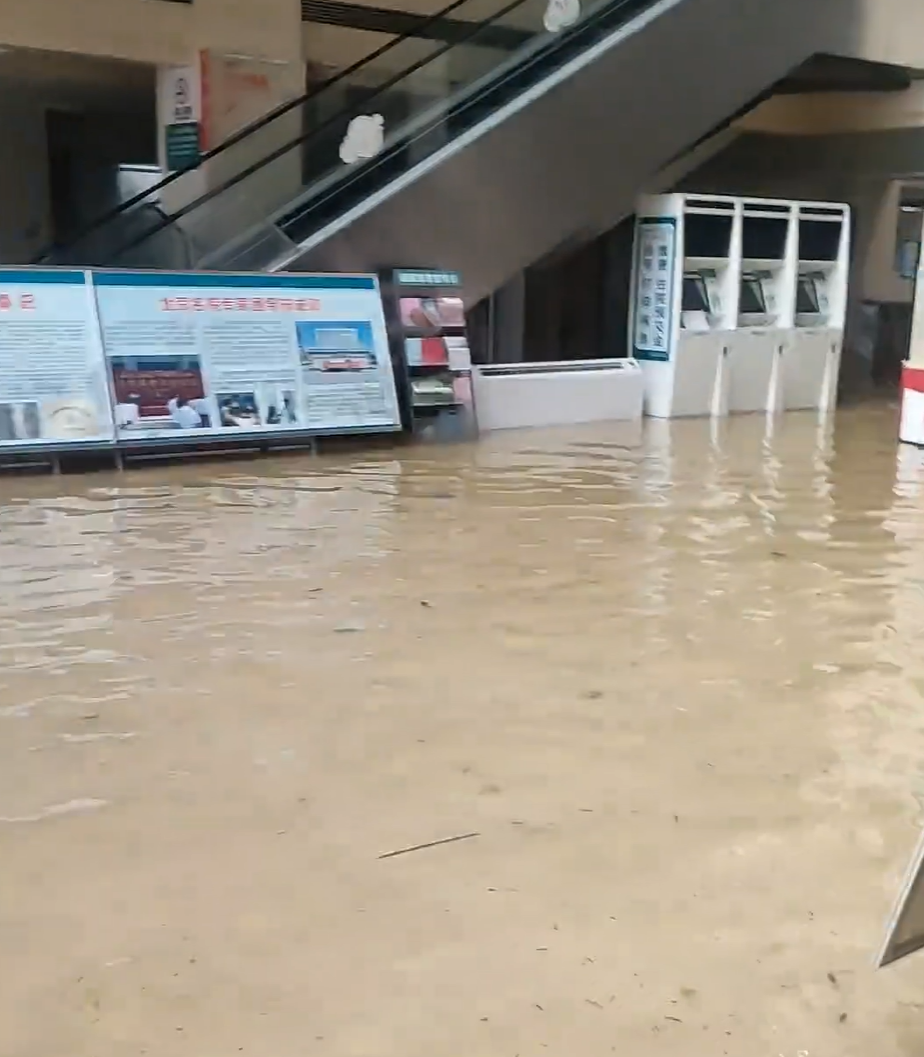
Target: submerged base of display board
(221, 443)
(513, 396)
(94, 458)
(48, 459)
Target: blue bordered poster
(53, 387)
(199, 354)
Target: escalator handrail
(245, 133)
(554, 43)
(471, 96)
(306, 137)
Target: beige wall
(160, 32)
(892, 31)
(151, 30)
(821, 113)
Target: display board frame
(904, 933)
(250, 359)
(235, 351)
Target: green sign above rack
(428, 278)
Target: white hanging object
(365, 136)
(560, 14)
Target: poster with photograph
(53, 387)
(430, 315)
(201, 353)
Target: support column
(916, 344)
(911, 424)
(879, 307)
(202, 104)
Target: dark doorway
(564, 306)
(65, 132)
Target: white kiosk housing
(515, 395)
(738, 304)
(766, 299)
(813, 354)
(685, 276)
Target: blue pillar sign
(654, 269)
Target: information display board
(198, 354)
(905, 930)
(53, 386)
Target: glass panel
(362, 129)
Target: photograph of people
(128, 411)
(276, 406)
(187, 414)
(238, 410)
(159, 392)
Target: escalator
(497, 147)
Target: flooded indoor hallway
(667, 690)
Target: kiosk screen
(695, 294)
(752, 301)
(807, 297)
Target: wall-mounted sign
(180, 99)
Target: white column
(218, 94)
(916, 345)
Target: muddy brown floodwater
(674, 685)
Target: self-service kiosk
(765, 304)
(684, 301)
(811, 359)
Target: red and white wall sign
(911, 425)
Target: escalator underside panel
(571, 153)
